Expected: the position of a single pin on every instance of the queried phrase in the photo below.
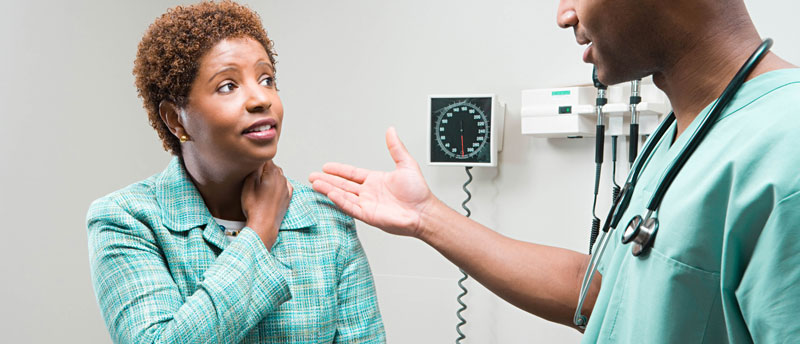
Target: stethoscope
(641, 231)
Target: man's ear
(170, 114)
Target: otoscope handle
(635, 99)
(633, 150)
(597, 84)
(598, 152)
(601, 129)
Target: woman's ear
(170, 114)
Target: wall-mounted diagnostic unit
(568, 112)
(465, 130)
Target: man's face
(622, 36)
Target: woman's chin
(260, 157)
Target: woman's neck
(220, 186)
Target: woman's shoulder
(306, 194)
(135, 199)
(322, 208)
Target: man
(724, 265)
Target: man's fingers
(352, 198)
(352, 173)
(345, 200)
(396, 148)
(342, 201)
(337, 182)
(322, 186)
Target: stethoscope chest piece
(641, 232)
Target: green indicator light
(561, 93)
(564, 109)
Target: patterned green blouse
(163, 271)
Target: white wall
(74, 130)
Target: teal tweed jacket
(164, 272)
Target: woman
(220, 247)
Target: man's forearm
(539, 279)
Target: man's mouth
(587, 54)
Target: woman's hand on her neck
(266, 194)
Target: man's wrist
(428, 218)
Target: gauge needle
(462, 138)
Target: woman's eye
(226, 88)
(268, 81)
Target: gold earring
(183, 138)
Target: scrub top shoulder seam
(787, 198)
(755, 100)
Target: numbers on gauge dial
(462, 130)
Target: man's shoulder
(759, 141)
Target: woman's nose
(257, 98)
(566, 16)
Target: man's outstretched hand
(393, 201)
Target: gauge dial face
(460, 130)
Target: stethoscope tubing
(579, 319)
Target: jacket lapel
(299, 214)
(182, 206)
(213, 235)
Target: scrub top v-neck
(723, 266)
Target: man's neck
(700, 75)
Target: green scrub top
(725, 265)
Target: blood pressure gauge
(462, 130)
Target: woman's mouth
(263, 130)
(264, 127)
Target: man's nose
(566, 16)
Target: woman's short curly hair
(169, 54)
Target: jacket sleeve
(141, 303)
(358, 317)
(768, 294)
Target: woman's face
(233, 116)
